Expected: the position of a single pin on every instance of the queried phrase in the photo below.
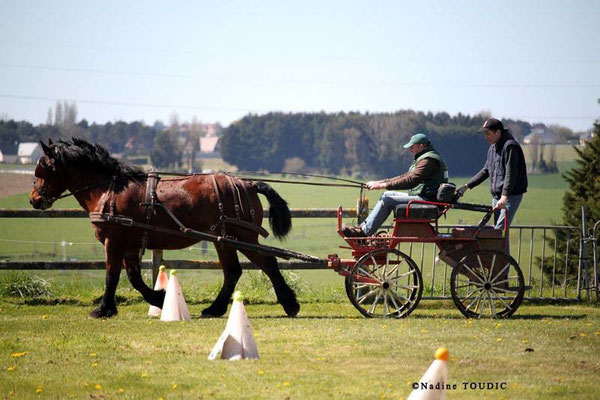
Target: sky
(217, 61)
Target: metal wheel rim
(487, 284)
(399, 286)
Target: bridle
(43, 165)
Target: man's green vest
(429, 188)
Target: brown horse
(99, 181)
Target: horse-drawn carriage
(132, 210)
(382, 281)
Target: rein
(243, 175)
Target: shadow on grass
(546, 316)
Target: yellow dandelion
(382, 396)
(597, 332)
(423, 330)
(121, 390)
(149, 362)
(10, 368)
(17, 355)
(94, 365)
(98, 386)
(144, 375)
(39, 390)
(174, 386)
(525, 341)
(498, 339)
(92, 355)
(160, 398)
(44, 316)
(261, 372)
(286, 383)
(583, 334)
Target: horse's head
(48, 182)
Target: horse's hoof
(157, 299)
(212, 313)
(292, 310)
(101, 312)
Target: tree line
(355, 144)
(174, 145)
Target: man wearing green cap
(427, 172)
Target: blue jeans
(383, 208)
(500, 215)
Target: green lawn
(544, 352)
(49, 346)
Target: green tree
(584, 191)
(165, 152)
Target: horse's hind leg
(132, 266)
(232, 270)
(285, 295)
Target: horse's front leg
(108, 306)
(133, 268)
(232, 271)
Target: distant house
(29, 152)
(541, 137)
(208, 144)
(586, 137)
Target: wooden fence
(438, 273)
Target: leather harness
(151, 201)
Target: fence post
(157, 259)
(582, 270)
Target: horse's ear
(50, 142)
(47, 149)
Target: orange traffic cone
(432, 385)
(174, 307)
(161, 284)
(236, 341)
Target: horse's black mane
(83, 155)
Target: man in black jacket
(506, 168)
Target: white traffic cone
(174, 307)
(161, 284)
(432, 385)
(236, 341)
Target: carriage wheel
(385, 283)
(487, 283)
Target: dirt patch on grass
(14, 184)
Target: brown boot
(353, 231)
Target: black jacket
(506, 168)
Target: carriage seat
(417, 211)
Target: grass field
(54, 351)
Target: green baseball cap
(418, 138)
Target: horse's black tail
(280, 217)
